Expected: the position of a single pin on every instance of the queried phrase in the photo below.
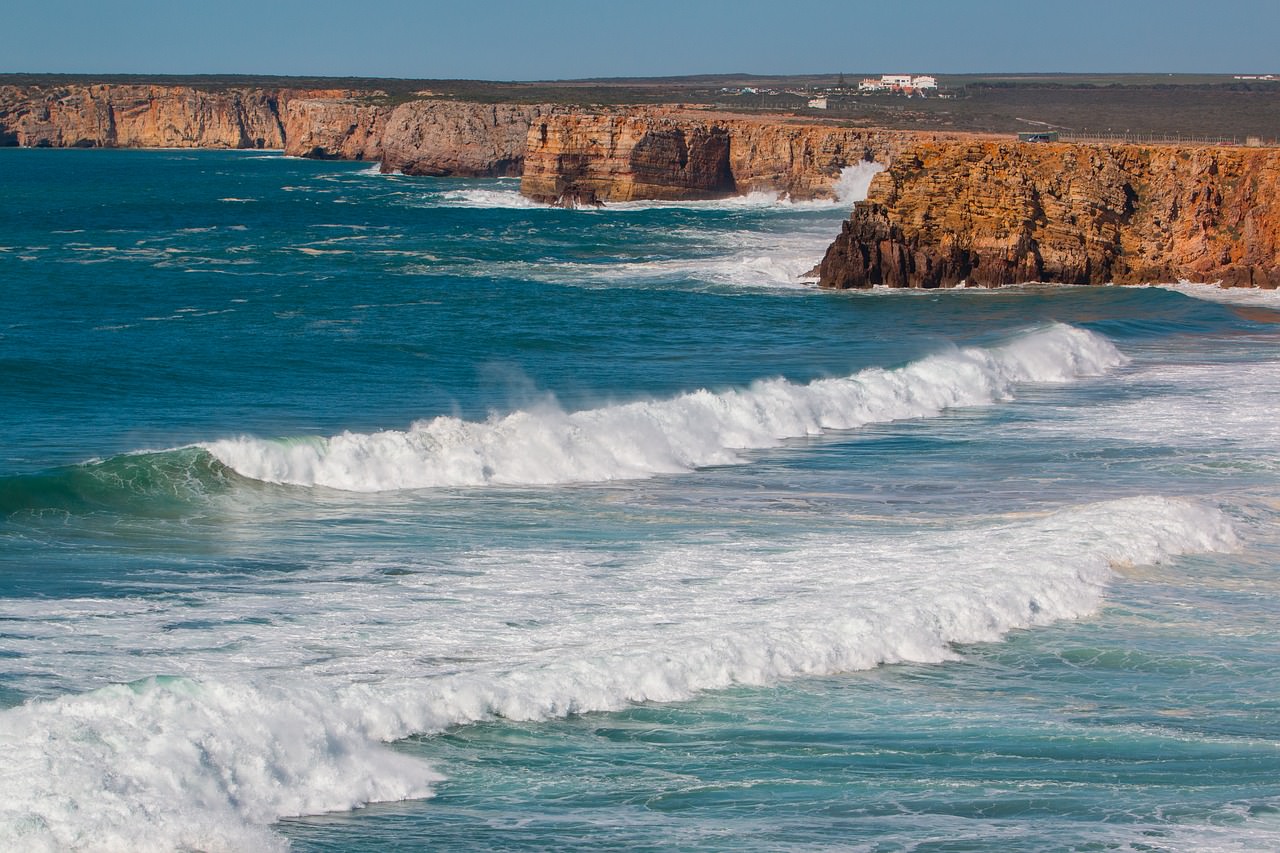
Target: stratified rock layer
(443, 138)
(334, 128)
(992, 213)
(121, 116)
(662, 154)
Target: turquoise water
(343, 511)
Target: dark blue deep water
(346, 512)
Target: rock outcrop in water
(992, 213)
(663, 154)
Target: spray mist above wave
(167, 763)
(548, 446)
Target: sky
(571, 39)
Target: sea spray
(547, 445)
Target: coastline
(951, 207)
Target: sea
(343, 511)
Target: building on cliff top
(899, 83)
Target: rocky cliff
(105, 116)
(427, 137)
(334, 128)
(424, 137)
(663, 154)
(993, 213)
(441, 138)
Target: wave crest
(546, 445)
(167, 763)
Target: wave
(548, 446)
(209, 762)
(758, 263)
(1249, 296)
(147, 483)
(545, 445)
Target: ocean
(354, 512)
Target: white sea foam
(262, 726)
(1200, 407)
(758, 261)
(484, 198)
(546, 445)
(1251, 296)
(175, 764)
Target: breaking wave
(209, 760)
(547, 445)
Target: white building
(818, 103)
(898, 83)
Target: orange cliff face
(124, 116)
(426, 137)
(334, 128)
(663, 154)
(444, 138)
(992, 213)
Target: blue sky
(561, 39)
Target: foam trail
(547, 445)
(209, 764)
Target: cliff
(334, 128)
(424, 137)
(107, 116)
(441, 138)
(993, 213)
(665, 154)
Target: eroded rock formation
(992, 213)
(663, 154)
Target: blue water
(342, 511)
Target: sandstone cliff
(663, 154)
(442, 138)
(99, 116)
(993, 213)
(334, 128)
(425, 137)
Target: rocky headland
(678, 155)
(1000, 212)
